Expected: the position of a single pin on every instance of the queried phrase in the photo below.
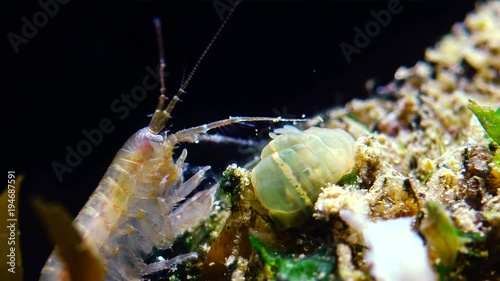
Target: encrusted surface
(420, 154)
(425, 145)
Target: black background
(271, 55)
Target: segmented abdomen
(128, 213)
(293, 168)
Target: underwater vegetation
(490, 120)
(404, 186)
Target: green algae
(318, 265)
(489, 119)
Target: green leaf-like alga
(489, 119)
(293, 267)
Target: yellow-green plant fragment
(440, 233)
(489, 119)
(10, 248)
(443, 239)
(80, 261)
(496, 158)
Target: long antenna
(163, 114)
(159, 119)
(186, 82)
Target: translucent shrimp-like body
(130, 211)
(134, 207)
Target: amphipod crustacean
(294, 167)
